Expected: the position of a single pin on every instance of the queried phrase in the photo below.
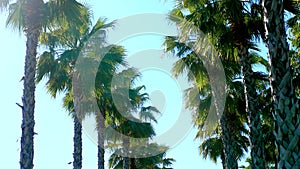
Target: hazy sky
(54, 142)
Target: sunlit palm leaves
(30, 16)
(154, 162)
(216, 19)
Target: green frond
(175, 14)
(291, 6)
(60, 11)
(159, 161)
(101, 24)
(68, 102)
(15, 18)
(212, 148)
(255, 58)
(97, 32)
(45, 65)
(135, 129)
(146, 113)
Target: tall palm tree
(77, 138)
(30, 16)
(285, 102)
(238, 26)
(244, 25)
(58, 65)
(127, 124)
(208, 26)
(207, 12)
(108, 68)
(130, 102)
(212, 145)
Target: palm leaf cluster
(106, 63)
(234, 28)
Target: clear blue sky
(53, 144)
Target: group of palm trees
(268, 104)
(64, 30)
(261, 112)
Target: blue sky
(53, 144)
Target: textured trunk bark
(132, 163)
(228, 142)
(285, 104)
(223, 160)
(32, 30)
(254, 121)
(77, 139)
(101, 150)
(219, 95)
(27, 151)
(77, 94)
(126, 160)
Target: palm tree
(77, 138)
(130, 127)
(212, 147)
(237, 29)
(58, 65)
(127, 124)
(154, 162)
(204, 92)
(235, 116)
(285, 103)
(244, 25)
(106, 71)
(135, 154)
(206, 16)
(30, 16)
(198, 68)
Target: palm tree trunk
(126, 160)
(77, 155)
(132, 163)
(254, 121)
(33, 27)
(285, 105)
(223, 160)
(227, 135)
(228, 142)
(101, 150)
(219, 94)
(27, 152)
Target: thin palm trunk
(254, 121)
(227, 134)
(132, 163)
(77, 154)
(223, 160)
(228, 142)
(126, 159)
(285, 105)
(101, 150)
(33, 27)
(27, 152)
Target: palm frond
(15, 17)
(60, 11)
